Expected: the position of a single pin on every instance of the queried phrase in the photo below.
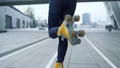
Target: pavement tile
(83, 66)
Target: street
(98, 49)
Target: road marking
(51, 61)
(103, 56)
(11, 54)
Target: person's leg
(62, 49)
(70, 7)
(54, 21)
(54, 17)
(53, 24)
(63, 44)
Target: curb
(3, 31)
(21, 47)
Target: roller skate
(59, 65)
(66, 30)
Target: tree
(30, 12)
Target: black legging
(57, 10)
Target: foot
(59, 65)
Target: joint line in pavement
(18, 51)
(51, 61)
(103, 56)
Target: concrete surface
(14, 39)
(79, 56)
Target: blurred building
(86, 18)
(113, 10)
(10, 18)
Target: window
(8, 20)
(23, 24)
(27, 24)
(17, 22)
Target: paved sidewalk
(80, 56)
(15, 39)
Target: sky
(97, 10)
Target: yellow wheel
(68, 18)
(76, 18)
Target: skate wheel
(76, 18)
(81, 33)
(68, 18)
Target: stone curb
(21, 47)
